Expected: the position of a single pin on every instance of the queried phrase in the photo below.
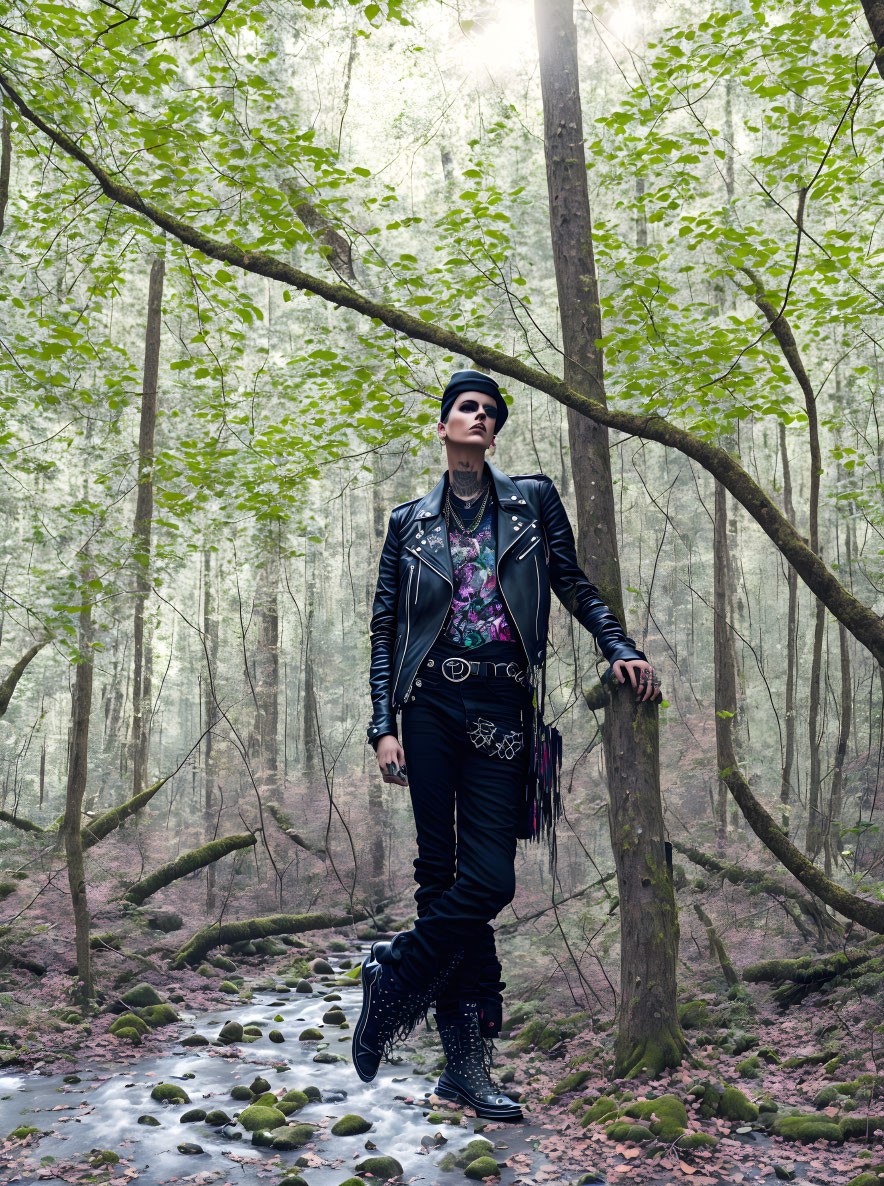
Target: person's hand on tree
(642, 676)
(391, 757)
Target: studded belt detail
(456, 670)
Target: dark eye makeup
(472, 405)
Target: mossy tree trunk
(724, 658)
(649, 1036)
(105, 824)
(266, 668)
(218, 934)
(142, 667)
(188, 862)
(76, 788)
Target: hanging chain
(448, 511)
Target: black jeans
(466, 752)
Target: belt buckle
(460, 665)
(512, 670)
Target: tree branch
(865, 625)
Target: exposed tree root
(188, 862)
(259, 928)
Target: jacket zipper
(407, 626)
(438, 632)
(537, 611)
(527, 550)
(417, 587)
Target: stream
(102, 1111)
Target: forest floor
(750, 1065)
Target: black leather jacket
(535, 552)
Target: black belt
(456, 670)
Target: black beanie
(473, 381)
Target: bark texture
(188, 862)
(648, 1033)
(860, 620)
(10, 682)
(76, 788)
(141, 533)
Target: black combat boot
(391, 1010)
(467, 1075)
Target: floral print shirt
(478, 615)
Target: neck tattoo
(467, 484)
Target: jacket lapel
(513, 513)
(428, 531)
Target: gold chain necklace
(449, 512)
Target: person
(458, 646)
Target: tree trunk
(724, 658)
(833, 816)
(309, 706)
(267, 670)
(791, 647)
(5, 161)
(210, 712)
(649, 1037)
(143, 658)
(76, 788)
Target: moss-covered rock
(102, 1157)
(158, 1015)
(806, 1128)
(257, 1118)
(217, 1118)
(313, 1094)
(140, 996)
(478, 1147)
(150, 1121)
(129, 1021)
(297, 1180)
(693, 1015)
(292, 1136)
(206, 971)
(672, 1118)
(254, 1030)
(302, 986)
(276, 1036)
(696, 1140)
(192, 1115)
(444, 1117)
(228, 987)
(734, 1105)
(259, 1085)
(239, 1091)
(860, 1127)
(25, 1130)
(539, 1034)
(379, 1167)
(860, 1088)
(603, 1108)
(321, 967)
(222, 962)
(334, 1017)
(311, 1034)
(825, 1097)
(292, 1101)
(482, 1167)
(750, 1068)
(622, 1130)
(572, 1082)
(446, 1162)
(265, 1100)
(126, 1033)
(230, 1032)
(195, 1040)
(169, 1093)
(350, 1125)
(866, 1179)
